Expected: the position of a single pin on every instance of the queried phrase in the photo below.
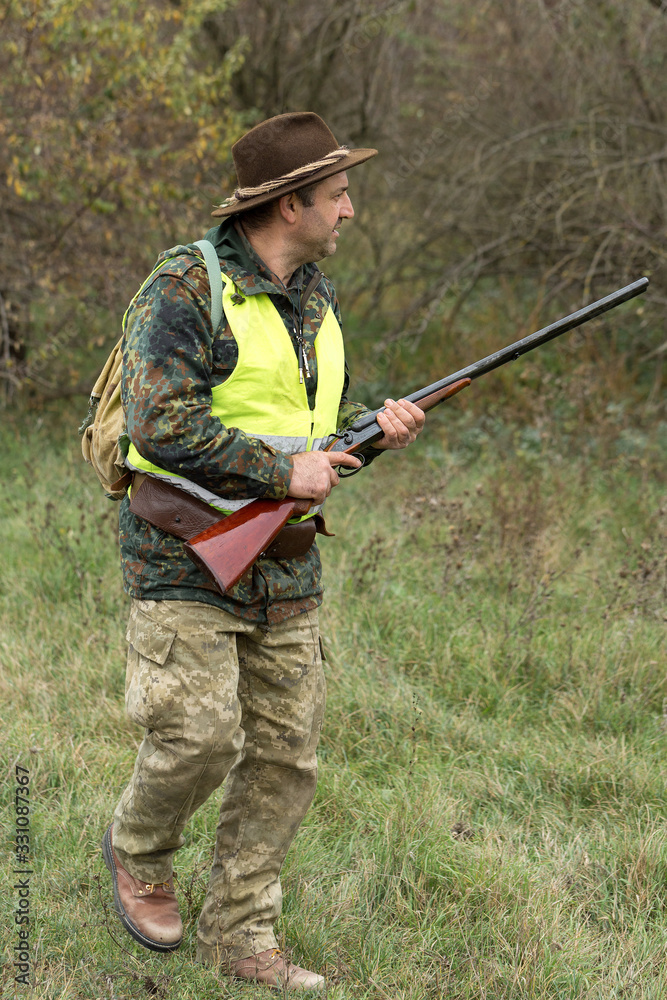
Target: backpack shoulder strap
(310, 287)
(214, 279)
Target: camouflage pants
(221, 698)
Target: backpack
(104, 441)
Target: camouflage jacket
(171, 359)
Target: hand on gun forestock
(314, 475)
(401, 423)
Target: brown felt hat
(284, 154)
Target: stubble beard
(322, 246)
(329, 248)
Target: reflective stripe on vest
(263, 395)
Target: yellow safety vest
(263, 395)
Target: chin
(326, 250)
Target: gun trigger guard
(350, 472)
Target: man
(231, 686)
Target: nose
(345, 209)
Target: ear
(290, 206)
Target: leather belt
(178, 513)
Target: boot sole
(134, 931)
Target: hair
(259, 218)
(306, 195)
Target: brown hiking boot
(272, 969)
(149, 911)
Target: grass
(489, 821)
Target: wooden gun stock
(428, 402)
(227, 549)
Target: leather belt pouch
(294, 540)
(170, 509)
(178, 513)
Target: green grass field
(490, 816)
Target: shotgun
(228, 548)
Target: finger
(415, 412)
(342, 458)
(396, 435)
(327, 485)
(333, 475)
(411, 415)
(407, 413)
(395, 429)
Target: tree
(115, 128)
(519, 142)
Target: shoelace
(152, 886)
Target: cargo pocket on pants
(153, 689)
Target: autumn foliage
(112, 123)
(522, 168)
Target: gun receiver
(227, 549)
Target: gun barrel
(514, 351)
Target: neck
(275, 254)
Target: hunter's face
(320, 223)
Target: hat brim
(353, 158)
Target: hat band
(243, 194)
